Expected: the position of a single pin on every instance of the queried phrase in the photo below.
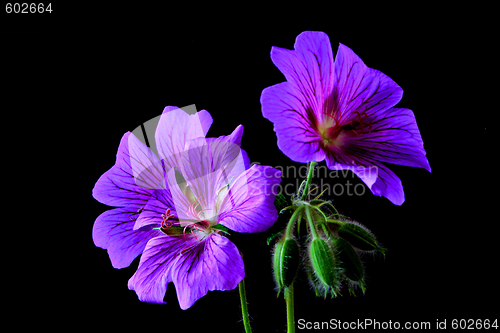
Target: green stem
(338, 222)
(308, 181)
(293, 219)
(244, 309)
(290, 317)
(311, 223)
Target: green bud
(359, 237)
(350, 262)
(324, 264)
(286, 262)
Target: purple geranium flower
(341, 111)
(211, 186)
(137, 173)
(174, 204)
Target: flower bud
(323, 264)
(359, 237)
(350, 262)
(286, 262)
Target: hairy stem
(290, 316)
(308, 181)
(310, 221)
(293, 219)
(244, 309)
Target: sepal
(221, 228)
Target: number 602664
(28, 8)
(471, 324)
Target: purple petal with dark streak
(175, 128)
(249, 203)
(393, 137)
(135, 175)
(213, 264)
(359, 88)
(113, 231)
(154, 272)
(293, 123)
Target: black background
(76, 81)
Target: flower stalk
(290, 306)
(290, 316)
(244, 308)
(309, 178)
(310, 221)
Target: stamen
(195, 226)
(353, 124)
(184, 230)
(192, 232)
(165, 223)
(329, 115)
(195, 207)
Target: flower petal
(359, 88)
(207, 165)
(249, 203)
(225, 150)
(213, 264)
(133, 178)
(296, 74)
(315, 51)
(181, 204)
(154, 271)
(175, 128)
(294, 123)
(113, 230)
(367, 174)
(308, 69)
(197, 169)
(379, 179)
(388, 185)
(392, 137)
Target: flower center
(332, 129)
(199, 222)
(201, 216)
(329, 129)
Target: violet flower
(182, 197)
(212, 186)
(342, 111)
(137, 173)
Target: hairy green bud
(324, 265)
(359, 237)
(286, 262)
(349, 261)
